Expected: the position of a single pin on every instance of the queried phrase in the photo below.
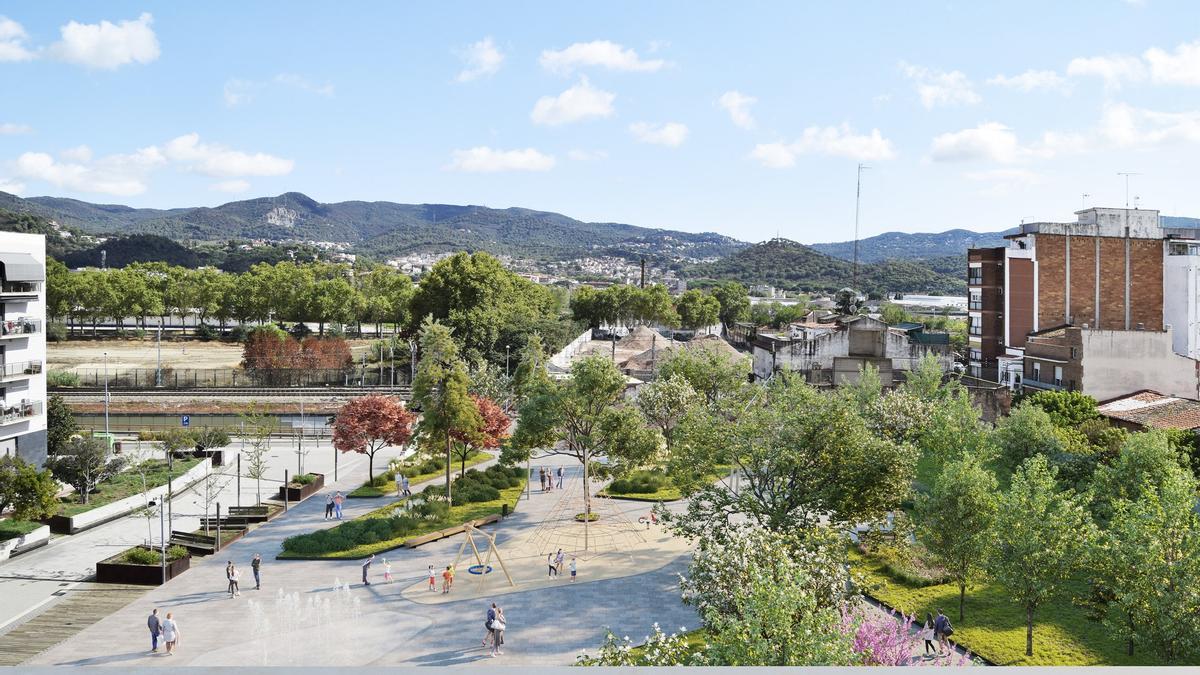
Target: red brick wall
(1083, 279)
(1146, 283)
(1020, 300)
(1112, 284)
(1052, 270)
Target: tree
(209, 438)
(771, 598)
(711, 373)
(441, 388)
(257, 428)
(587, 307)
(803, 457)
(697, 309)
(530, 375)
(368, 424)
(1040, 533)
(653, 305)
(847, 302)
(1148, 560)
(1145, 462)
(664, 402)
(1026, 433)
(583, 417)
(31, 494)
(492, 432)
(734, 301)
(954, 520)
(1066, 408)
(84, 464)
(925, 380)
(60, 424)
(866, 390)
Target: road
(30, 580)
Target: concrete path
(318, 613)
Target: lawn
(126, 484)
(11, 529)
(994, 626)
(457, 516)
(389, 488)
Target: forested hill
(910, 246)
(787, 264)
(383, 229)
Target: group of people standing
(333, 506)
(548, 478)
(234, 576)
(554, 562)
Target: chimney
(643, 272)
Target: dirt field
(78, 356)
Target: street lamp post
(162, 541)
(108, 437)
(507, 373)
(158, 370)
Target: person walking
(487, 625)
(498, 626)
(387, 571)
(366, 568)
(256, 567)
(542, 477)
(155, 627)
(559, 559)
(551, 570)
(337, 505)
(229, 577)
(560, 477)
(432, 579)
(943, 630)
(235, 576)
(170, 633)
(404, 482)
(328, 506)
(926, 633)
(573, 569)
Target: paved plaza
(318, 612)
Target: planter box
(124, 507)
(26, 542)
(297, 493)
(112, 572)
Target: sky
(748, 118)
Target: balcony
(19, 369)
(21, 411)
(19, 289)
(10, 328)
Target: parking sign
(185, 420)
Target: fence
(291, 425)
(195, 378)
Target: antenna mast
(1127, 174)
(857, 200)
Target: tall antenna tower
(1127, 174)
(857, 200)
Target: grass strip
(11, 529)
(127, 484)
(366, 490)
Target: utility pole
(507, 372)
(857, 200)
(158, 370)
(1083, 201)
(107, 433)
(1127, 174)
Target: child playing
(387, 571)
(432, 579)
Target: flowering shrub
(659, 649)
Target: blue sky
(743, 118)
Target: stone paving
(318, 613)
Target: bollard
(504, 510)
(285, 490)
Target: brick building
(985, 311)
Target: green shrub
(56, 332)
(142, 556)
(238, 333)
(304, 479)
(205, 332)
(176, 552)
(61, 378)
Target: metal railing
(20, 326)
(23, 410)
(19, 287)
(20, 368)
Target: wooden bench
(449, 531)
(258, 512)
(199, 544)
(210, 522)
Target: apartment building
(985, 312)
(23, 346)
(1075, 296)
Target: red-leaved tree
(490, 434)
(368, 424)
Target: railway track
(70, 392)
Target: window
(1037, 372)
(976, 355)
(1074, 353)
(1058, 376)
(975, 276)
(976, 327)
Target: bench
(210, 522)
(199, 544)
(450, 531)
(259, 512)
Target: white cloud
(601, 53)
(79, 153)
(587, 155)
(12, 129)
(217, 160)
(479, 59)
(1112, 69)
(1127, 127)
(840, 141)
(1182, 67)
(577, 103)
(119, 175)
(234, 186)
(1031, 80)
(738, 105)
(238, 91)
(12, 187)
(1003, 182)
(106, 45)
(670, 134)
(12, 41)
(990, 141)
(936, 87)
(483, 159)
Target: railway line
(223, 392)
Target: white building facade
(23, 346)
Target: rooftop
(1153, 410)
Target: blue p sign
(185, 420)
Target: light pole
(507, 373)
(108, 436)
(162, 541)
(158, 369)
